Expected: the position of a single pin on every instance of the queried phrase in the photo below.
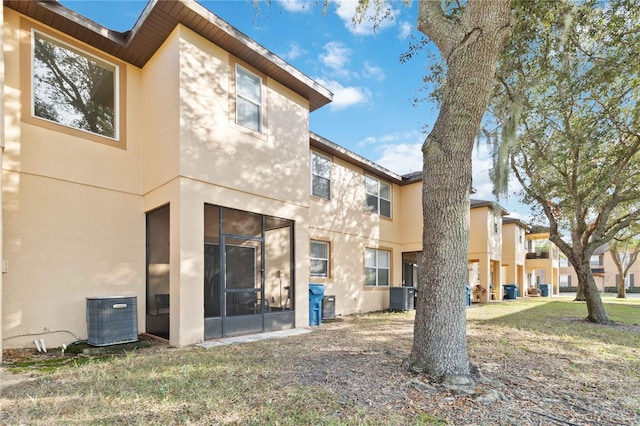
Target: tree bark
(471, 47)
(622, 292)
(580, 293)
(595, 307)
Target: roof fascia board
(255, 46)
(277, 68)
(317, 141)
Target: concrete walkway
(254, 337)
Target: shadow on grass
(567, 318)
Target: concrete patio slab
(254, 337)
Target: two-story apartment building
(514, 249)
(543, 260)
(170, 162)
(604, 271)
(173, 163)
(357, 216)
(485, 249)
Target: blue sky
(372, 112)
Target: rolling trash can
(510, 291)
(316, 293)
(544, 290)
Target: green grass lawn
(347, 372)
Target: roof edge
(317, 141)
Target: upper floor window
(378, 195)
(319, 256)
(596, 260)
(248, 99)
(320, 176)
(74, 88)
(377, 267)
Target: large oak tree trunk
(595, 307)
(440, 345)
(580, 294)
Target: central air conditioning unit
(112, 320)
(401, 298)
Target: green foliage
(570, 80)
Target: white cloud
(344, 97)
(384, 16)
(294, 51)
(412, 136)
(374, 72)
(296, 5)
(405, 30)
(337, 55)
(402, 158)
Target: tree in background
(625, 249)
(567, 107)
(470, 37)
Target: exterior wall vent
(112, 320)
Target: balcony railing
(541, 255)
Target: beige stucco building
(543, 261)
(604, 271)
(140, 200)
(514, 250)
(485, 249)
(188, 180)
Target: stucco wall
(273, 163)
(343, 222)
(73, 222)
(212, 160)
(1, 150)
(160, 125)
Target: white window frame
(378, 195)
(376, 267)
(312, 259)
(100, 61)
(240, 98)
(317, 155)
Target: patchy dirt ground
(531, 380)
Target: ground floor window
(319, 259)
(377, 267)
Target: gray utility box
(112, 320)
(401, 298)
(329, 307)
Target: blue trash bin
(468, 295)
(316, 293)
(510, 291)
(544, 290)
